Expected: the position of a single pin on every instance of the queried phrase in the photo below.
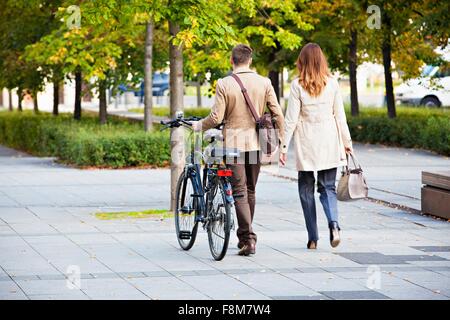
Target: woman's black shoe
(335, 237)
(312, 244)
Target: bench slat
(438, 179)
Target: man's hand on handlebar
(196, 126)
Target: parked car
(431, 89)
(160, 86)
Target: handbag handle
(355, 164)
(248, 101)
(355, 161)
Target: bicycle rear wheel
(185, 212)
(219, 223)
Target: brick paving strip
(48, 233)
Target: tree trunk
(10, 100)
(176, 105)
(386, 50)
(198, 88)
(77, 109)
(148, 77)
(352, 65)
(282, 84)
(103, 104)
(55, 97)
(20, 97)
(274, 76)
(35, 102)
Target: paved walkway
(394, 175)
(48, 232)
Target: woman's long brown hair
(313, 69)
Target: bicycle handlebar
(178, 122)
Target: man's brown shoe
(247, 249)
(240, 245)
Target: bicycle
(208, 199)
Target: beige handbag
(352, 185)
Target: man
(240, 132)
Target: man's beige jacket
(230, 108)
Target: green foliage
(165, 111)
(404, 26)
(427, 129)
(23, 22)
(275, 32)
(118, 144)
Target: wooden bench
(436, 193)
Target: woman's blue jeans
(326, 186)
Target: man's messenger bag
(265, 125)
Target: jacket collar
(242, 69)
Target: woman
(316, 119)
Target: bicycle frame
(209, 197)
(199, 177)
(204, 181)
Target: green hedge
(123, 144)
(165, 111)
(412, 128)
(84, 143)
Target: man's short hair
(241, 54)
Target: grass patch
(151, 213)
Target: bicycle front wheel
(219, 222)
(185, 212)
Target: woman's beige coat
(319, 127)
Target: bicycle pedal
(184, 235)
(199, 219)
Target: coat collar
(242, 69)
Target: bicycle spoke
(218, 223)
(220, 236)
(185, 215)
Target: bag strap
(355, 161)
(346, 169)
(246, 97)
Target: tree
(192, 22)
(339, 27)
(352, 67)
(148, 76)
(87, 50)
(55, 110)
(23, 23)
(403, 43)
(10, 104)
(78, 94)
(433, 20)
(176, 105)
(273, 31)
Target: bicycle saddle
(219, 152)
(213, 135)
